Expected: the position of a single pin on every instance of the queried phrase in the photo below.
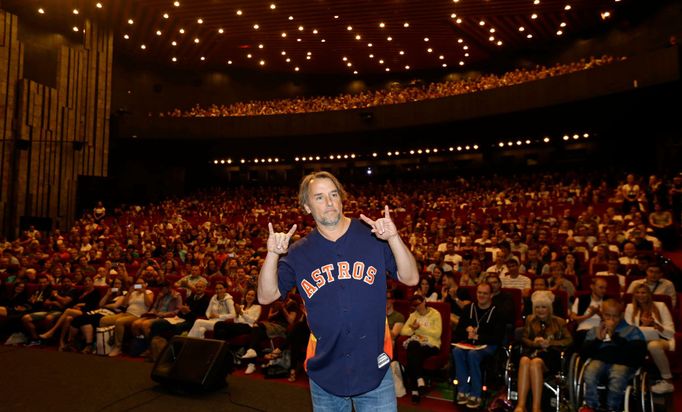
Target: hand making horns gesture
(383, 228)
(279, 242)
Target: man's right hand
(278, 243)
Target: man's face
(611, 316)
(483, 295)
(599, 288)
(494, 283)
(653, 274)
(200, 288)
(324, 202)
(512, 268)
(629, 250)
(43, 283)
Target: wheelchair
(555, 389)
(493, 373)
(637, 395)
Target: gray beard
(324, 221)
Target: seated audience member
(220, 308)
(13, 305)
(543, 338)
(195, 307)
(500, 265)
(617, 349)
(586, 309)
(49, 304)
(557, 281)
(656, 323)
(482, 324)
(138, 301)
(639, 271)
(396, 320)
(513, 279)
(189, 282)
(281, 318)
(600, 258)
(629, 256)
(247, 313)
(662, 224)
(457, 298)
(427, 290)
(533, 262)
(110, 304)
(87, 300)
(572, 264)
(612, 268)
(540, 284)
(424, 328)
(476, 273)
(656, 283)
(166, 305)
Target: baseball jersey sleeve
(286, 278)
(391, 266)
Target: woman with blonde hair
(656, 323)
(543, 338)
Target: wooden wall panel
(50, 136)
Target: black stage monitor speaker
(190, 364)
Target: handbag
(105, 339)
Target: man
(586, 310)
(617, 349)
(482, 323)
(340, 271)
(396, 320)
(513, 279)
(612, 268)
(658, 285)
(503, 300)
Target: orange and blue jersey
(343, 286)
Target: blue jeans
(381, 399)
(468, 365)
(618, 378)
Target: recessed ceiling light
(529, 36)
(407, 67)
(165, 15)
(158, 32)
(41, 11)
(358, 37)
(323, 40)
(355, 72)
(200, 21)
(426, 39)
(567, 7)
(291, 17)
(307, 57)
(284, 53)
(460, 41)
(382, 25)
(239, 12)
(453, 16)
(349, 64)
(229, 62)
(248, 56)
(563, 24)
(98, 5)
(174, 59)
(533, 16)
(481, 23)
(260, 46)
(458, 21)
(370, 45)
(221, 31)
(298, 40)
(75, 28)
(406, 24)
(559, 32)
(429, 50)
(196, 40)
(300, 28)
(182, 31)
(130, 21)
(125, 36)
(499, 42)
(401, 52)
(262, 62)
(288, 60)
(203, 58)
(441, 57)
(349, 28)
(309, 54)
(75, 11)
(273, 6)
(522, 28)
(388, 69)
(256, 27)
(336, 17)
(492, 30)
(284, 34)
(296, 69)
(389, 38)
(381, 62)
(143, 47)
(314, 31)
(174, 43)
(371, 56)
(176, 4)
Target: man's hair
(612, 304)
(305, 183)
(485, 284)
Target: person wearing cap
(543, 338)
(424, 328)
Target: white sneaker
(250, 354)
(250, 368)
(662, 387)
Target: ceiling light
(566, 137)
(298, 40)
(143, 47)
(402, 53)
(288, 60)
(605, 15)
(174, 59)
(174, 43)
(260, 46)
(323, 40)
(381, 62)
(453, 15)
(389, 38)
(307, 57)
(458, 21)
(388, 70)
(370, 45)
(466, 54)
(202, 58)
(291, 17)
(491, 38)
(181, 31)
(98, 5)
(296, 69)
(200, 21)
(407, 67)
(176, 4)
(273, 6)
(546, 140)
(75, 11)
(165, 15)
(130, 21)
(309, 53)
(426, 39)
(300, 28)
(499, 42)
(75, 28)
(563, 24)
(229, 62)
(559, 32)
(492, 30)
(196, 40)
(239, 12)
(522, 28)
(314, 31)
(371, 56)
(357, 37)
(567, 7)
(125, 36)
(41, 11)
(406, 24)
(349, 28)
(284, 53)
(284, 34)
(336, 17)
(262, 62)
(441, 57)
(158, 32)
(256, 27)
(355, 72)
(349, 64)
(527, 141)
(429, 50)
(586, 135)
(382, 25)
(248, 56)
(533, 16)
(481, 23)
(529, 36)
(221, 31)
(536, 2)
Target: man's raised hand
(383, 228)
(279, 242)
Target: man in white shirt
(513, 279)
(612, 270)
(586, 310)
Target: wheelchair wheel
(572, 379)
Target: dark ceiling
(333, 37)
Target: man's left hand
(383, 228)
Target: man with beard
(340, 271)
